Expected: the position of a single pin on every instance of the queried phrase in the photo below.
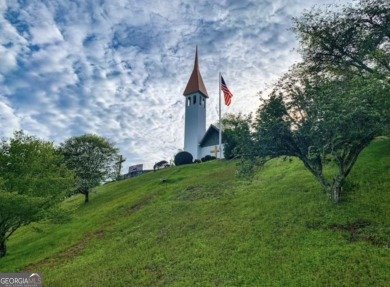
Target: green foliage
(32, 183)
(183, 157)
(237, 136)
(354, 39)
(203, 227)
(92, 158)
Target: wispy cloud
(119, 68)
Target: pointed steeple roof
(195, 83)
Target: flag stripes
(227, 94)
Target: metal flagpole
(220, 121)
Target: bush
(197, 161)
(183, 157)
(160, 165)
(208, 158)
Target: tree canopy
(93, 159)
(354, 39)
(237, 133)
(32, 183)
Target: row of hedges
(184, 157)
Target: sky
(118, 68)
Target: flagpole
(220, 121)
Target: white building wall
(195, 123)
(208, 151)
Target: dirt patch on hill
(66, 256)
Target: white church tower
(195, 111)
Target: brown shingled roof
(195, 83)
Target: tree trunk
(316, 170)
(86, 193)
(3, 248)
(336, 189)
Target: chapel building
(197, 140)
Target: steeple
(195, 83)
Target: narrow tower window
(200, 100)
(194, 98)
(188, 101)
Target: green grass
(203, 227)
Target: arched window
(188, 101)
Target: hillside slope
(200, 226)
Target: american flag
(227, 94)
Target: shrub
(183, 157)
(208, 158)
(160, 165)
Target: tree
(314, 116)
(237, 135)
(32, 183)
(92, 158)
(337, 101)
(355, 39)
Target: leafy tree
(313, 116)
(32, 183)
(237, 135)
(355, 39)
(92, 158)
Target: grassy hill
(203, 227)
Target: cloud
(119, 68)
(9, 121)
